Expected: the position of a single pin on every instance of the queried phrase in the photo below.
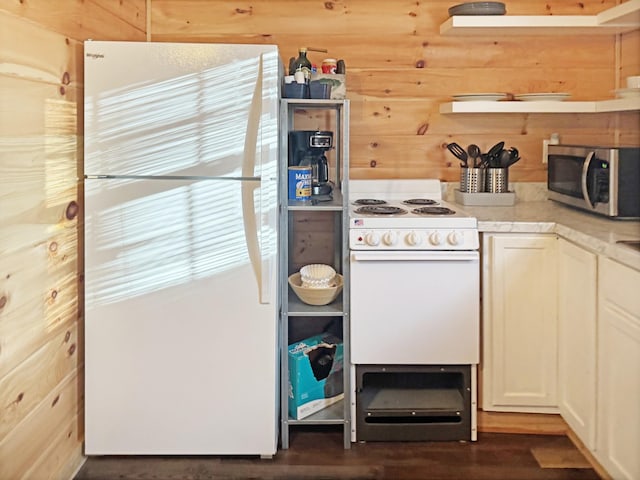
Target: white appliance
(415, 282)
(180, 248)
(413, 268)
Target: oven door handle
(402, 256)
(585, 170)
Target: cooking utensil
(474, 152)
(493, 155)
(458, 152)
(504, 158)
(509, 157)
(497, 148)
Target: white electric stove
(415, 293)
(407, 215)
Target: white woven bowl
(316, 296)
(317, 275)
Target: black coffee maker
(307, 148)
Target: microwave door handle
(585, 169)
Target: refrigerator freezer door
(179, 110)
(180, 354)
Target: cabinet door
(619, 370)
(519, 323)
(577, 270)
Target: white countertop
(595, 233)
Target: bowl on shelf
(317, 275)
(478, 8)
(316, 296)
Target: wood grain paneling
(630, 56)
(399, 70)
(376, 18)
(41, 78)
(24, 446)
(81, 20)
(22, 389)
(64, 454)
(436, 83)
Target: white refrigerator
(180, 208)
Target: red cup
(329, 65)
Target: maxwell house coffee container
(299, 183)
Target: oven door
(417, 307)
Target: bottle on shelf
(302, 64)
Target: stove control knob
(454, 238)
(389, 238)
(435, 238)
(372, 239)
(413, 239)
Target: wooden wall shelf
(619, 19)
(601, 106)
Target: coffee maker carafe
(307, 148)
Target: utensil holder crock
(497, 180)
(472, 180)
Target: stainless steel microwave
(602, 180)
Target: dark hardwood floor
(318, 454)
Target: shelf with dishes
(622, 18)
(628, 100)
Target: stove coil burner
(369, 201)
(420, 201)
(433, 211)
(380, 210)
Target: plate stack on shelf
(478, 8)
(541, 97)
(487, 97)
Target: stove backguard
(414, 403)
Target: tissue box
(315, 374)
(338, 82)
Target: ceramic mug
(633, 82)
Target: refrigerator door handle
(261, 262)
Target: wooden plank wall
(41, 353)
(399, 69)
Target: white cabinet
(618, 439)
(519, 363)
(577, 294)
